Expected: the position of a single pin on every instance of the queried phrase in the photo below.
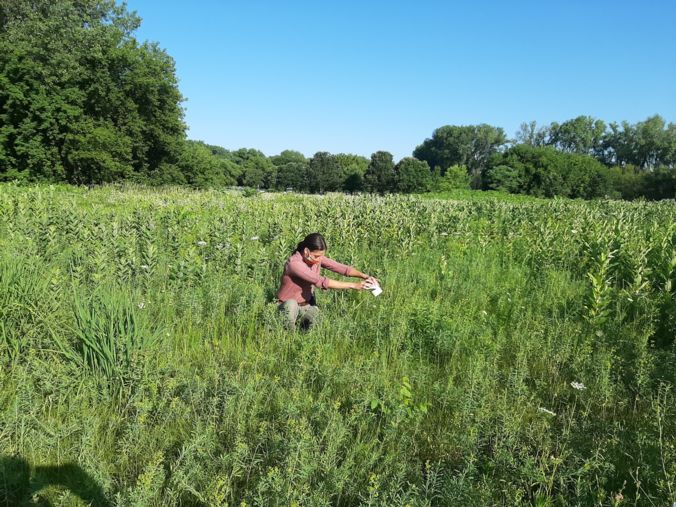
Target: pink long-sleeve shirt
(299, 280)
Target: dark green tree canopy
(379, 176)
(324, 173)
(80, 99)
(547, 172)
(288, 156)
(471, 146)
(412, 175)
(255, 169)
(647, 144)
(293, 175)
(583, 135)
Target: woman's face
(313, 257)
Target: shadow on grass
(20, 484)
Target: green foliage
(547, 172)
(646, 145)
(412, 175)
(324, 173)
(255, 169)
(520, 353)
(354, 183)
(166, 174)
(627, 182)
(353, 169)
(661, 183)
(292, 170)
(200, 168)
(81, 100)
(380, 176)
(455, 177)
(583, 135)
(287, 157)
(529, 133)
(471, 146)
(110, 334)
(97, 154)
(293, 175)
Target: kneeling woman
(302, 275)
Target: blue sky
(357, 77)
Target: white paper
(374, 287)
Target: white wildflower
(254, 238)
(201, 243)
(578, 385)
(444, 234)
(546, 411)
(142, 305)
(145, 267)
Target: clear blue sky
(357, 77)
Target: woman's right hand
(361, 285)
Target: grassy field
(522, 351)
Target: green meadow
(522, 351)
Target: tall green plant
(111, 333)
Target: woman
(301, 276)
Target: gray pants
(291, 310)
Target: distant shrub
(455, 177)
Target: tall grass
(521, 353)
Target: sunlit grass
(140, 340)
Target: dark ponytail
(312, 242)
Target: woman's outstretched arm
(337, 284)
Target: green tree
(80, 98)
(256, 170)
(455, 177)
(231, 171)
(547, 172)
(352, 168)
(379, 176)
(583, 135)
(647, 145)
(353, 183)
(96, 153)
(651, 146)
(288, 156)
(661, 183)
(412, 175)
(626, 182)
(529, 133)
(293, 175)
(507, 178)
(471, 146)
(324, 173)
(292, 169)
(200, 167)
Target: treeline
(323, 172)
(81, 101)
(583, 157)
